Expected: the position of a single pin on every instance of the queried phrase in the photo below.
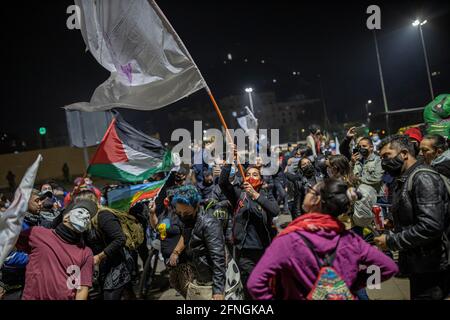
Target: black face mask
(308, 171)
(188, 221)
(364, 152)
(393, 166)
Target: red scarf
(314, 222)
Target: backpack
(131, 228)
(409, 182)
(329, 285)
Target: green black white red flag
(128, 155)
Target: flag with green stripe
(128, 155)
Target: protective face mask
(80, 219)
(393, 166)
(308, 171)
(364, 152)
(188, 221)
(256, 183)
(333, 145)
(376, 138)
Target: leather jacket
(421, 220)
(206, 251)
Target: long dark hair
(342, 165)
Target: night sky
(45, 65)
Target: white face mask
(80, 219)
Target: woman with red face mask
(254, 209)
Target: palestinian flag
(128, 155)
(124, 197)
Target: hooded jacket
(442, 164)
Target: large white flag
(11, 220)
(149, 64)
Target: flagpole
(224, 124)
(165, 21)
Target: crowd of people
(353, 207)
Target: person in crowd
(55, 253)
(205, 246)
(434, 149)
(220, 207)
(290, 266)
(305, 176)
(421, 220)
(170, 229)
(415, 137)
(206, 186)
(277, 184)
(255, 208)
(11, 178)
(107, 241)
(366, 164)
(50, 206)
(66, 172)
(376, 141)
(338, 167)
(313, 140)
(13, 271)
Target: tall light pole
(249, 91)
(325, 113)
(418, 23)
(386, 109)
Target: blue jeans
(362, 294)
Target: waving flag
(124, 197)
(149, 64)
(11, 220)
(248, 122)
(128, 155)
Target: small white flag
(11, 220)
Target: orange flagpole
(224, 124)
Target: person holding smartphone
(365, 163)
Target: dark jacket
(252, 221)
(108, 237)
(206, 251)
(421, 219)
(206, 192)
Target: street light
(367, 112)
(249, 91)
(418, 23)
